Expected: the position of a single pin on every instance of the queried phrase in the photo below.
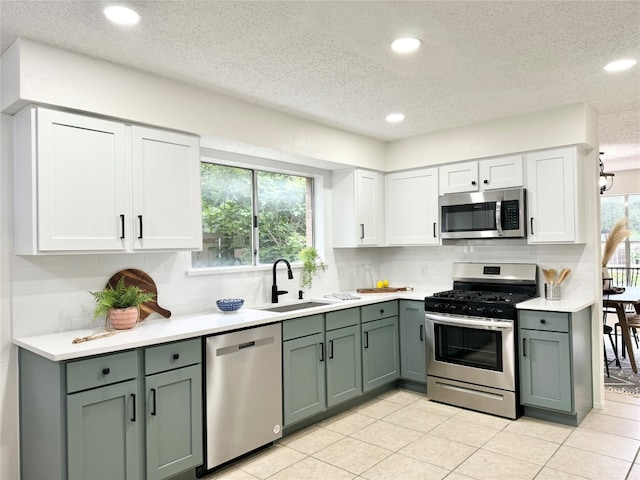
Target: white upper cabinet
(458, 177)
(501, 172)
(358, 208)
(488, 174)
(555, 197)
(167, 209)
(412, 207)
(80, 187)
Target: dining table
(618, 302)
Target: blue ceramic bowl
(230, 304)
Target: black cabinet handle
(321, 352)
(524, 347)
(153, 402)
(543, 321)
(176, 356)
(361, 231)
(366, 339)
(382, 311)
(133, 397)
(486, 182)
(140, 224)
(473, 182)
(434, 229)
(330, 348)
(421, 333)
(105, 371)
(531, 223)
(121, 227)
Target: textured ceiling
(330, 61)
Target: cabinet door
(303, 371)
(380, 358)
(458, 177)
(82, 183)
(174, 421)
(344, 365)
(545, 370)
(413, 359)
(551, 196)
(370, 207)
(412, 207)
(103, 427)
(503, 172)
(167, 211)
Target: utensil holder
(552, 291)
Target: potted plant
(120, 305)
(618, 233)
(311, 262)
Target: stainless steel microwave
(490, 214)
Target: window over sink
(253, 216)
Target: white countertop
(154, 330)
(569, 305)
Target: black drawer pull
(382, 311)
(524, 347)
(366, 339)
(321, 351)
(330, 348)
(543, 321)
(105, 371)
(176, 356)
(133, 396)
(421, 333)
(153, 403)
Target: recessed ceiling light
(406, 45)
(395, 117)
(121, 15)
(620, 65)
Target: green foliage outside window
(283, 205)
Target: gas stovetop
(482, 296)
(490, 291)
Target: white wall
(569, 125)
(37, 73)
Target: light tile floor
(401, 435)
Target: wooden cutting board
(144, 282)
(382, 290)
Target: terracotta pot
(124, 318)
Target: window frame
(256, 164)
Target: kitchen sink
(296, 306)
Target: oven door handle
(472, 322)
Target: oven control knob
(466, 308)
(481, 310)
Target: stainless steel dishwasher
(243, 388)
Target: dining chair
(606, 330)
(633, 322)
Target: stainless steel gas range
(471, 330)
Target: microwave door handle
(499, 217)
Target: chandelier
(605, 182)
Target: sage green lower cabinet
(344, 360)
(555, 364)
(413, 357)
(303, 368)
(128, 415)
(380, 345)
(174, 421)
(102, 432)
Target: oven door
(469, 349)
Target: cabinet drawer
(379, 310)
(100, 371)
(342, 318)
(550, 321)
(301, 327)
(170, 356)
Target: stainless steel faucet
(274, 288)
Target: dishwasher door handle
(227, 349)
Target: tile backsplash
(50, 293)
